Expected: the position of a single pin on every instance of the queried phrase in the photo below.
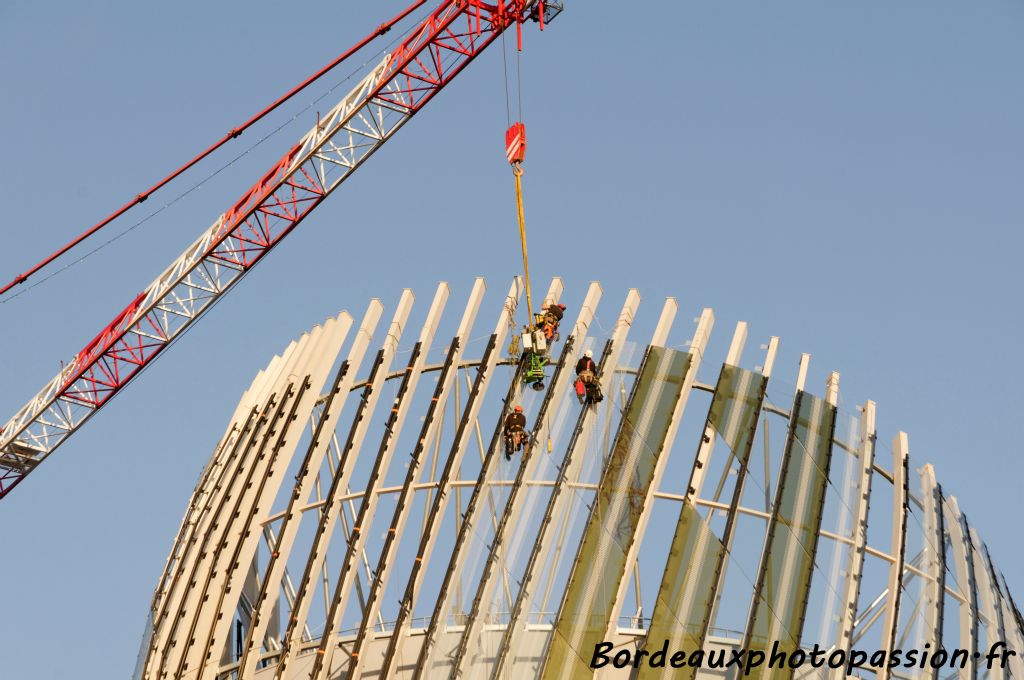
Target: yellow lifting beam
(522, 236)
(515, 151)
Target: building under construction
(362, 516)
(358, 518)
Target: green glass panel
(735, 408)
(687, 590)
(780, 601)
(681, 612)
(601, 560)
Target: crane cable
(517, 170)
(232, 134)
(515, 152)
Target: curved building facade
(359, 519)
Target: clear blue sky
(847, 176)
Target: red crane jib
(432, 55)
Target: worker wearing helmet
(588, 389)
(515, 431)
(586, 363)
(553, 314)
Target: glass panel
(688, 586)
(735, 408)
(826, 599)
(780, 599)
(732, 607)
(601, 561)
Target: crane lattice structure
(432, 55)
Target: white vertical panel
(345, 586)
(259, 498)
(267, 598)
(332, 507)
(900, 453)
(386, 563)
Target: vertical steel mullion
(707, 442)
(792, 449)
(527, 470)
(466, 528)
(900, 501)
(322, 349)
(468, 519)
(333, 506)
(385, 453)
(499, 532)
(832, 390)
(262, 393)
(1014, 629)
(935, 544)
(197, 583)
(987, 596)
(393, 539)
(431, 532)
(762, 569)
(308, 475)
(360, 528)
(730, 533)
(964, 565)
(571, 463)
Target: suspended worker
(588, 388)
(515, 431)
(550, 321)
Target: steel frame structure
(222, 591)
(434, 53)
(438, 508)
(472, 516)
(556, 393)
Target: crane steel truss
(395, 90)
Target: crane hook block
(515, 143)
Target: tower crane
(432, 55)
